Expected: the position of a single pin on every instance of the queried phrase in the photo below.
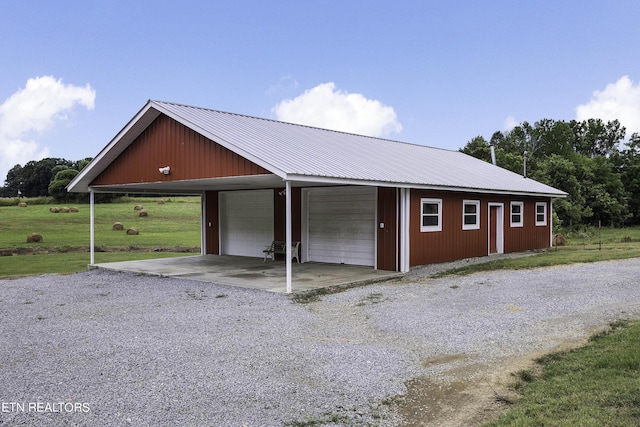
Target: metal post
(405, 200)
(92, 225)
(288, 232)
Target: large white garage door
(341, 225)
(246, 222)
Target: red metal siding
(518, 239)
(279, 216)
(211, 223)
(168, 143)
(387, 236)
(455, 243)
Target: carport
(247, 272)
(256, 187)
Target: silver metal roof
(305, 154)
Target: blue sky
(426, 72)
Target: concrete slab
(253, 273)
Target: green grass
(173, 226)
(70, 262)
(595, 385)
(175, 223)
(606, 244)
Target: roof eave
(418, 186)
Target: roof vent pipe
(493, 154)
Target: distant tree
(34, 177)
(581, 158)
(593, 137)
(57, 187)
(627, 164)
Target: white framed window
(541, 213)
(517, 214)
(470, 214)
(430, 215)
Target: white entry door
(246, 222)
(340, 225)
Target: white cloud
(33, 110)
(509, 123)
(285, 83)
(326, 107)
(619, 100)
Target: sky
(437, 73)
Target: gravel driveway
(102, 348)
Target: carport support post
(288, 232)
(91, 225)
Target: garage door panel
(341, 223)
(246, 222)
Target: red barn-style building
(348, 199)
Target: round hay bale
(138, 207)
(132, 231)
(73, 209)
(117, 226)
(54, 209)
(143, 213)
(22, 205)
(64, 209)
(34, 238)
(559, 240)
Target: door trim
(499, 231)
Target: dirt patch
(466, 393)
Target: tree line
(590, 160)
(46, 177)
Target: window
(431, 215)
(470, 214)
(541, 213)
(517, 209)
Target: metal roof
(306, 154)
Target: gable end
(165, 142)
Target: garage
(246, 222)
(340, 225)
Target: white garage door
(246, 222)
(341, 225)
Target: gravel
(104, 348)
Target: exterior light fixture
(165, 170)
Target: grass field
(170, 229)
(596, 385)
(590, 245)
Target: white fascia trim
(350, 181)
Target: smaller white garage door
(246, 222)
(341, 225)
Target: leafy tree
(580, 158)
(34, 177)
(627, 164)
(593, 137)
(57, 187)
(479, 148)
(560, 172)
